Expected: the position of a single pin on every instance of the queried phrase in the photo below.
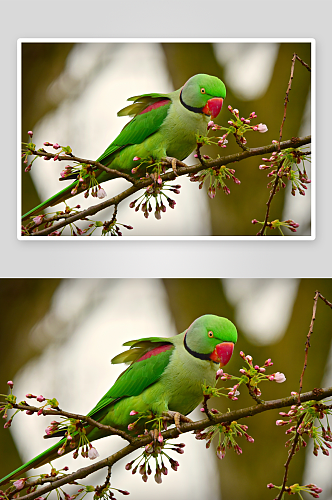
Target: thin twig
(286, 100)
(328, 303)
(307, 343)
(169, 176)
(291, 453)
(268, 203)
(317, 296)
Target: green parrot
(164, 378)
(163, 126)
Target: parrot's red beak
(222, 353)
(213, 107)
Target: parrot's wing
(141, 103)
(150, 361)
(150, 111)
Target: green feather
(135, 379)
(136, 131)
(141, 102)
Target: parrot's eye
(210, 334)
(203, 90)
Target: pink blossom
(262, 128)
(279, 377)
(221, 452)
(136, 158)
(56, 146)
(38, 220)
(10, 383)
(219, 372)
(19, 484)
(157, 477)
(93, 453)
(101, 193)
(8, 424)
(133, 412)
(30, 133)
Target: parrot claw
(177, 417)
(174, 166)
(174, 162)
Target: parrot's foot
(174, 162)
(178, 418)
(154, 433)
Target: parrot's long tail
(41, 459)
(63, 195)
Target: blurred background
(71, 93)
(58, 336)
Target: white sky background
(102, 314)
(97, 81)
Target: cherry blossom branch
(316, 394)
(289, 458)
(292, 451)
(169, 176)
(71, 157)
(75, 416)
(272, 194)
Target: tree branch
(75, 416)
(316, 394)
(97, 164)
(169, 176)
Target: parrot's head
(212, 338)
(203, 94)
